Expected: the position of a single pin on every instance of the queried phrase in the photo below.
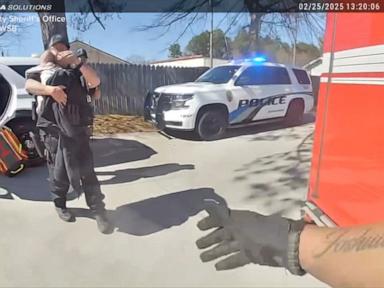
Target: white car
(249, 92)
(15, 102)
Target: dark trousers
(70, 160)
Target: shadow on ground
(156, 214)
(286, 174)
(133, 174)
(111, 151)
(33, 185)
(236, 132)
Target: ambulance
(346, 184)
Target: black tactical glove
(249, 237)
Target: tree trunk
(254, 33)
(52, 27)
(254, 7)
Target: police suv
(249, 92)
(15, 102)
(12, 83)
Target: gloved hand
(247, 237)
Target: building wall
(95, 56)
(216, 62)
(318, 70)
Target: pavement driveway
(154, 188)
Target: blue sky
(121, 37)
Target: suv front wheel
(295, 113)
(211, 124)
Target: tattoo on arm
(339, 242)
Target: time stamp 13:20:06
(355, 6)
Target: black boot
(103, 224)
(65, 215)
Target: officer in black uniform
(56, 143)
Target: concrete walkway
(154, 188)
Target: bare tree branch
(261, 23)
(232, 23)
(186, 28)
(94, 14)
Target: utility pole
(295, 41)
(211, 35)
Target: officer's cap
(57, 38)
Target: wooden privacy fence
(124, 86)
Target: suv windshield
(219, 75)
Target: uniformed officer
(59, 180)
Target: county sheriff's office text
(13, 19)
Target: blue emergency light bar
(258, 59)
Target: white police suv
(15, 102)
(249, 92)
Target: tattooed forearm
(339, 242)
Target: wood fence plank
(124, 86)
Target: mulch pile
(115, 124)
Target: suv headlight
(178, 101)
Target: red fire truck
(346, 184)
